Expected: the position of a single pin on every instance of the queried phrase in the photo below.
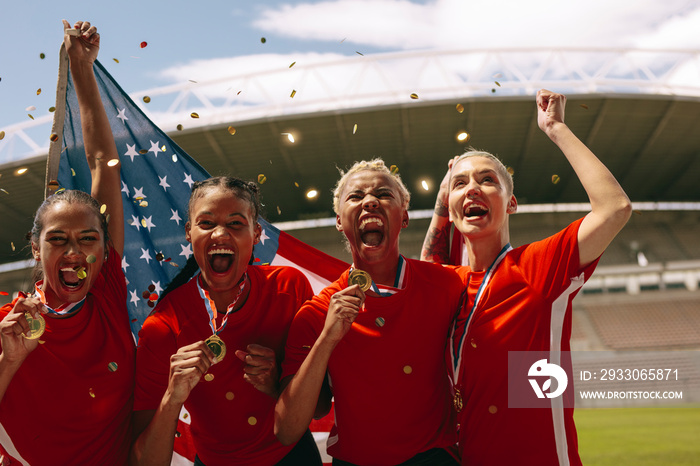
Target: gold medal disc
(217, 346)
(360, 278)
(37, 326)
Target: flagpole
(54, 157)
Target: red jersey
(231, 421)
(525, 306)
(387, 374)
(71, 400)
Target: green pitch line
(639, 436)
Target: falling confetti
(81, 273)
(231, 130)
(144, 44)
(12, 244)
(112, 162)
(493, 91)
(72, 172)
(279, 211)
(4, 191)
(174, 157)
(394, 169)
(209, 377)
(31, 108)
(160, 256)
(638, 212)
(92, 393)
(414, 96)
(354, 129)
(179, 127)
(2, 135)
(510, 171)
(146, 99)
(262, 178)
(362, 55)
(143, 223)
(53, 185)
(460, 108)
(53, 137)
(293, 63)
(4, 293)
(555, 179)
(103, 209)
(294, 92)
(263, 40)
(115, 60)
(38, 91)
(143, 203)
(584, 106)
(42, 55)
(296, 184)
(173, 264)
(145, 294)
(30, 116)
(497, 83)
(52, 109)
(143, 151)
(153, 297)
(91, 259)
(194, 115)
(151, 288)
(192, 81)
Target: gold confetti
(192, 81)
(293, 63)
(143, 151)
(92, 393)
(179, 127)
(360, 54)
(460, 108)
(296, 184)
(72, 172)
(115, 60)
(294, 92)
(173, 264)
(53, 137)
(146, 99)
(262, 178)
(91, 259)
(231, 130)
(584, 106)
(493, 91)
(229, 396)
(174, 157)
(52, 109)
(12, 245)
(497, 83)
(636, 211)
(252, 421)
(143, 204)
(4, 191)
(2, 135)
(42, 55)
(30, 116)
(103, 208)
(143, 222)
(53, 185)
(394, 169)
(414, 96)
(555, 179)
(112, 162)
(163, 148)
(194, 115)
(263, 40)
(279, 211)
(209, 377)
(354, 129)
(510, 171)
(407, 369)
(493, 409)
(38, 91)
(81, 273)
(107, 219)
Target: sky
(190, 40)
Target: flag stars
(149, 223)
(122, 115)
(131, 151)
(134, 298)
(186, 250)
(188, 179)
(135, 222)
(263, 237)
(125, 189)
(154, 148)
(164, 183)
(138, 193)
(146, 255)
(176, 216)
(158, 289)
(124, 264)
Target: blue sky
(187, 38)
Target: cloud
(439, 24)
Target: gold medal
(217, 346)
(457, 401)
(37, 326)
(360, 278)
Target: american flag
(157, 178)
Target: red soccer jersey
(71, 400)
(231, 421)
(526, 306)
(387, 374)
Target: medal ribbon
(384, 290)
(64, 310)
(456, 345)
(211, 306)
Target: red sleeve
(549, 264)
(156, 344)
(111, 284)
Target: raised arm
(302, 396)
(610, 206)
(97, 134)
(436, 246)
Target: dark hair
(247, 190)
(69, 196)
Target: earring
(36, 257)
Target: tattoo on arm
(441, 209)
(436, 247)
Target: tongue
(70, 278)
(220, 263)
(372, 238)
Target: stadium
(292, 128)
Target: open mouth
(72, 277)
(371, 232)
(474, 211)
(221, 259)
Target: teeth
(220, 251)
(366, 221)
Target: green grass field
(639, 436)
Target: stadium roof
(639, 111)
